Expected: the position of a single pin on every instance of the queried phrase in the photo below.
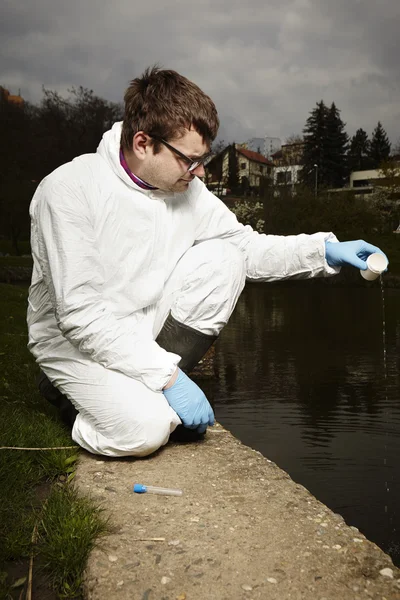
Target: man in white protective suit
(138, 267)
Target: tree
(15, 130)
(396, 149)
(325, 147)
(379, 150)
(250, 213)
(15, 198)
(214, 166)
(358, 157)
(68, 127)
(17, 159)
(315, 132)
(387, 195)
(233, 167)
(335, 149)
(34, 140)
(217, 147)
(294, 138)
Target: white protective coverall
(110, 261)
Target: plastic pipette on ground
(139, 488)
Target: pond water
(302, 379)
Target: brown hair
(164, 103)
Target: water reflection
(301, 378)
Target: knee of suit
(222, 261)
(211, 287)
(145, 437)
(154, 434)
(133, 438)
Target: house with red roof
(252, 169)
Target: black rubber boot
(53, 395)
(191, 345)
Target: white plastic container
(376, 264)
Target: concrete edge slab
(242, 529)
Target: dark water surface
(302, 380)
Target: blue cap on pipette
(139, 488)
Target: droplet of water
(385, 373)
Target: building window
(284, 177)
(243, 165)
(280, 177)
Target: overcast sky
(265, 63)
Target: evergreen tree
(358, 157)
(335, 167)
(325, 148)
(315, 133)
(233, 168)
(380, 146)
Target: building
(265, 146)
(5, 95)
(251, 166)
(288, 163)
(363, 182)
(271, 145)
(255, 144)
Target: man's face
(169, 172)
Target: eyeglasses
(193, 164)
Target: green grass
(68, 532)
(69, 525)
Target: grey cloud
(264, 64)
(18, 19)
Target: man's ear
(141, 145)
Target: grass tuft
(69, 525)
(69, 530)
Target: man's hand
(349, 253)
(189, 403)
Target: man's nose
(199, 171)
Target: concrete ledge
(242, 530)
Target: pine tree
(233, 168)
(326, 142)
(380, 146)
(314, 133)
(335, 149)
(358, 157)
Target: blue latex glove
(349, 253)
(189, 403)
